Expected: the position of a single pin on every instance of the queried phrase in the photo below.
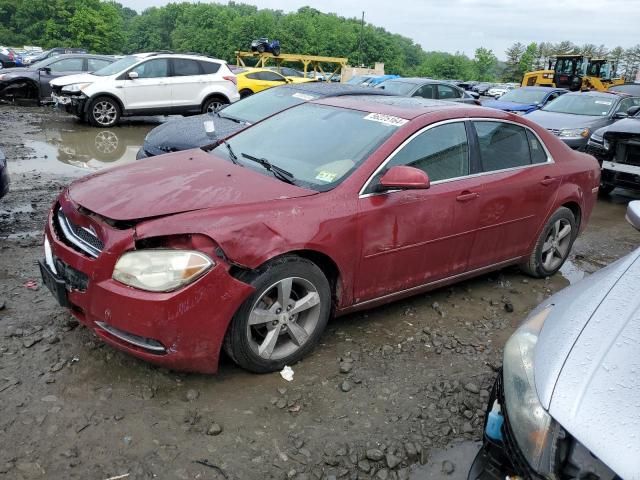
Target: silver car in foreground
(567, 402)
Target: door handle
(546, 181)
(467, 196)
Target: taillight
(231, 78)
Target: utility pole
(360, 43)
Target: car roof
(416, 80)
(595, 93)
(403, 107)
(82, 55)
(539, 87)
(332, 89)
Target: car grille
(628, 153)
(80, 238)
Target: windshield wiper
(278, 172)
(232, 155)
(227, 117)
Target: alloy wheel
(283, 318)
(214, 106)
(104, 113)
(556, 246)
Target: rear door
(414, 237)
(151, 90)
(187, 82)
(452, 94)
(59, 68)
(520, 184)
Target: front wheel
(260, 48)
(276, 51)
(284, 318)
(104, 112)
(553, 245)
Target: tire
(212, 104)
(270, 342)
(244, 93)
(260, 48)
(107, 147)
(276, 51)
(104, 112)
(552, 248)
(606, 188)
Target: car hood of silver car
(587, 363)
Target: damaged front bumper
(179, 330)
(73, 104)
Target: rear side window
(502, 145)
(94, 64)
(538, 154)
(67, 65)
(253, 76)
(442, 152)
(210, 67)
(270, 77)
(446, 92)
(426, 91)
(183, 67)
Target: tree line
(219, 30)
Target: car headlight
(574, 132)
(75, 87)
(530, 423)
(161, 270)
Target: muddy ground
(396, 392)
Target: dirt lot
(381, 398)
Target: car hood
(76, 78)
(177, 183)
(188, 132)
(508, 106)
(586, 363)
(16, 70)
(627, 125)
(553, 120)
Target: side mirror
(633, 111)
(619, 115)
(132, 75)
(46, 70)
(475, 95)
(402, 177)
(633, 214)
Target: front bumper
(73, 104)
(181, 330)
(497, 460)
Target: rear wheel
(553, 245)
(276, 51)
(244, 93)
(260, 48)
(104, 112)
(284, 318)
(213, 104)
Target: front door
(151, 89)
(414, 237)
(59, 68)
(187, 81)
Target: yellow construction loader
(574, 72)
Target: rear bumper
(180, 330)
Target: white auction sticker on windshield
(386, 119)
(603, 102)
(303, 96)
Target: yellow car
(254, 80)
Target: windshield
(118, 66)
(395, 87)
(595, 106)
(357, 80)
(521, 95)
(41, 63)
(319, 145)
(264, 104)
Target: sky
(464, 25)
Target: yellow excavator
(574, 72)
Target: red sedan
(329, 207)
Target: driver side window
(156, 68)
(441, 152)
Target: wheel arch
(25, 83)
(211, 95)
(90, 100)
(575, 209)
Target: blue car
(4, 175)
(525, 99)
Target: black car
(4, 175)
(482, 88)
(617, 148)
(32, 82)
(54, 52)
(629, 88)
(210, 128)
(427, 88)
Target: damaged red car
(331, 206)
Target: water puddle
(458, 455)
(80, 149)
(572, 272)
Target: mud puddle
(452, 462)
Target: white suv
(147, 84)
